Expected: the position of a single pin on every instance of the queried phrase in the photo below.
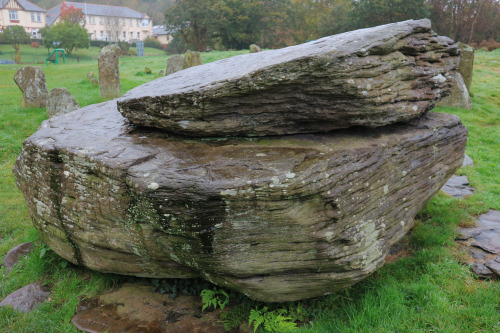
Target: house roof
(28, 6)
(93, 9)
(161, 30)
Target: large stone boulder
(277, 218)
(60, 101)
(174, 64)
(109, 72)
(369, 77)
(31, 81)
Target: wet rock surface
(277, 218)
(15, 254)
(369, 77)
(135, 308)
(27, 298)
(31, 81)
(458, 187)
(482, 244)
(60, 101)
(109, 72)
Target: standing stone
(459, 96)
(174, 63)
(109, 72)
(254, 48)
(466, 64)
(31, 81)
(191, 59)
(60, 101)
(90, 76)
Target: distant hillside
(154, 8)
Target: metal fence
(39, 57)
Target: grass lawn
(30, 55)
(429, 291)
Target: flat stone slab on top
(458, 187)
(370, 77)
(277, 218)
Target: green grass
(30, 55)
(429, 291)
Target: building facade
(23, 13)
(109, 23)
(163, 35)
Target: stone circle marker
(254, 48)
(109, 72)
(31, 81)
(174, 64)
(466, 65)
(60, 101)
(191, 59)
(276, 217)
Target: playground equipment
(54, 57)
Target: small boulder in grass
(147, 70)
(16, 253)
(254, 48)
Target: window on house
(108, 21)
(131, 35)
(102, 34)
(138, 36)
(123, 22)
(130, 22)
(33, 18)
(13, 16)
(100, 19)
(137, 22)
(124, 35)
(34, 32)
(38, 17)
(93, 19)
(145, 22)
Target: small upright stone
(90, 76)
(459, 96)
(31, 81)
(60, 101)
(27, 298)
(109, 72)
(466, 63)
(254, 48)
(191, 59)
(174, 63)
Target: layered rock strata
(369, 77)
(277, 218)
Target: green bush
(152, 42)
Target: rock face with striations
(369, 77)
(31, 81)
(278, 218)
(109, 72)
(174, 64)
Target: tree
(69, 35)
(72, 15)
(193, 21)
(466, 20)
(369, 13)
(15, 35)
